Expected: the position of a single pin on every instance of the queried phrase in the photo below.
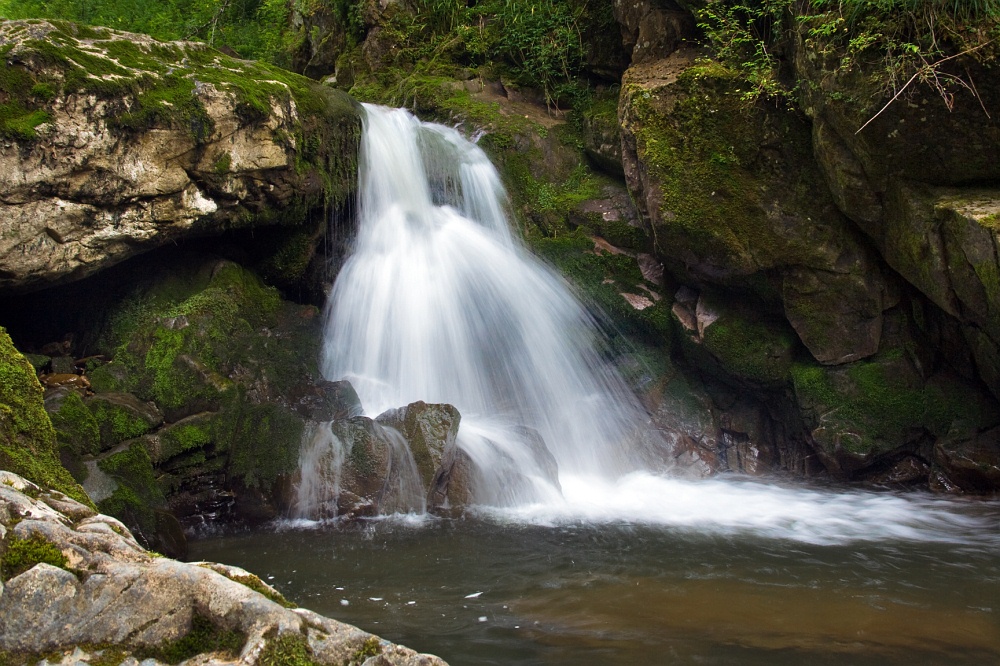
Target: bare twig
(930, 71)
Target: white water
(440, 303)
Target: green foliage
(744, 35)
(253, 28)
(896, 42)
(23, 554)
(203, 637)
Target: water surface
(557, 589)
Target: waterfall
(440, 302)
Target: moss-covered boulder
(214, 376)
(869, 414)
(28, 445)
(734, 199)
(115, 143)
(736, 341)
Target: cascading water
(438, 302)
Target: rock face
(120, 144)
(73, 578)
(833, 290)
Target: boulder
(734, 199)
(430, 432)
(125, 144)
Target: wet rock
(969, 461)
(908, 471)
(429, 430)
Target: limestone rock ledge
(113, 143)
(77, 584)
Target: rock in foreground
(76, 582)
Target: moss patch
(203, 637)
(23, 554)
(287, 650)
(137, 496)
(882, 401)
(77, 431)
(263, 440)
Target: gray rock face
(109, 590)
(154, 144)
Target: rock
(908, 471)
(946, 242)
(122, 416)
(873, 411)
(711, 175)
(328, 401)
(108, 591)
(652, 29)
(109, 168)
(429, 430)
(970, 461)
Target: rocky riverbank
(77, 588)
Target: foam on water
(757, 508)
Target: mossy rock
(121, 416)
(429, 431)
(137, 496)
(751, 348)
(77, 431)
(873, 409)
(263, 440)
(28, 444)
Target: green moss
(702, 147)
(757, 351)
(223, 164)
(117, 423)
(203, 637)
(263, 440)
(881, 400)
(258, 586)
(76, 428)
(137, 496)
(169, 102)
(287, 650)
(23, 554)
(370, 648)
(27, 438)
(601, 278)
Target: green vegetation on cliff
(27, 439)
(894, 43)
